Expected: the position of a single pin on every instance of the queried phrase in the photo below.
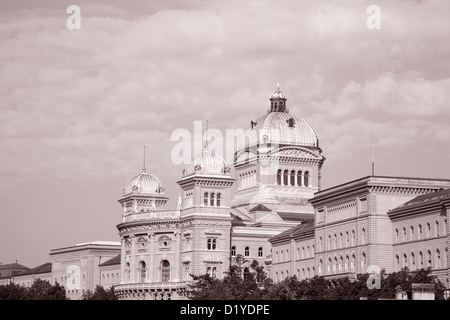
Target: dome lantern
(278, 101)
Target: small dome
(206, 163)
(143, 183)
(278, 94)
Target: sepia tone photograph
(225, 150)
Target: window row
(247, 179)
(411, 233)
(247, 251)
(293, 178)
(421, 261)
(342, 264)
(212, 272)
(343, 240)
(303, 253)
(110, 278)
(211, 199)
(163, 275)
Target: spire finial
(206, 136)
(143, 168)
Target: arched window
(437, 229)
(353, 237)
(335, 265)
(205, 202)
(352, 263)
(303, 252)
(363, 263)
(346, 263)
(438, 259)
(165, 271)
(347, 238)
(218, 200)
(292, 178)
(413, 261)
(276, 277)
(320, 266)
(211, 202)
(260, 252)
(279, 177)
(299, 178)
(421, 265)
(335, 241)
(211, 244)
(247, 251)
(405, 261)
(397, 263)
(412, 233)
(363, 236)
(286, 176)
(214, 272)
(308, 252)
(329, 242)
(329, 265)
(420, 232)
(320, 244)
(306, 179)
(405, 238)
(341, 262)
(233, 251)
(340, 240)
(428, 230)
(429, 259)
(313, 250)
(396, 235)
(208, 270)
(143, 271)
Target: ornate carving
(164, 243)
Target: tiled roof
(111, 262)
(436, 196)
(294, 216)
(9, 266)
(259, 207)
(43, 268)
(292, 232)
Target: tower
(278, 161)
(205, 216)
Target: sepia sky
(77, 106)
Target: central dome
(278, 126)
(206, 162)
(143, 183)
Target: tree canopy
(39, 290)
(251, 283)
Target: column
(122, 260)
(151, 237)
(293, 257)
(133, 259)
(177, 257)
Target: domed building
(277, 169)
(278, 161)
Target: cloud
(78, 106)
